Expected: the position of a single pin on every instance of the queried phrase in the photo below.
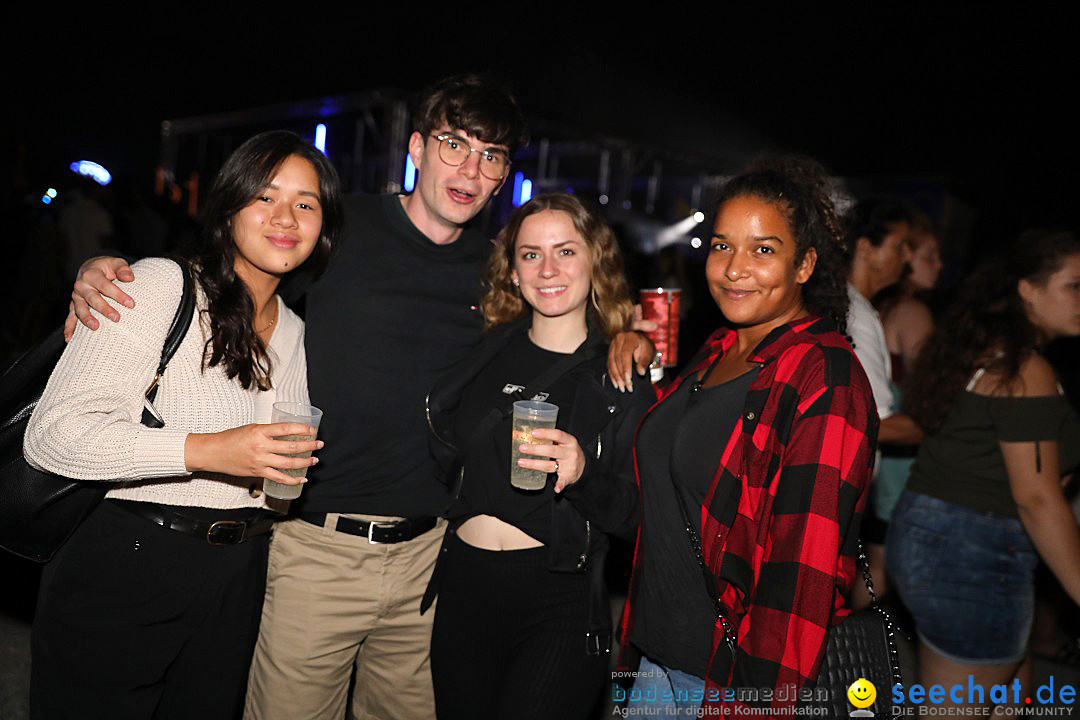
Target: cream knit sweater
(87, 424)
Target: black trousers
(137, 621)
(509, 638)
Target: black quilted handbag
(863, 646)
(38, 510)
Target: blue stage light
(320, 137)
(92, 170)
(522, 190)
(410, 174)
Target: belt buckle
(226, 532)
(371, 529)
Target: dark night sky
(984, 103)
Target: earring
(592, 295)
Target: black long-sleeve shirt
(393, 311)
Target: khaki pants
(335, 602)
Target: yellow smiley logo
(862, 693)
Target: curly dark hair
(233, 342)
(986, 327)
(799, 187)
(478, 104)
(609, 304)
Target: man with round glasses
(397, 309)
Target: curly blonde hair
(609, 305)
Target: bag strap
(695, 540)
(710, 580)
(862, 561)
(181, 321)
(497, 414)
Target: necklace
(268, 325)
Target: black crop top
(486, 488)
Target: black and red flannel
(781, 517)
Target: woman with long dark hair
(984, 501)
(523, 624)
(150, 610)
(757, 460)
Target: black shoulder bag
(39, 510)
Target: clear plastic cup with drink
(528, 416)
(289, 412)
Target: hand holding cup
(562, 456)
(255, 450)
(300, 442)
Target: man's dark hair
(874, 219)
(477, 104)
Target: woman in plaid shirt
(764, 448)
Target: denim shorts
(967, 577)
(661, 691)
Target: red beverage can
(661, 305)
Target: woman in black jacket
(523, 627)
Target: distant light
(522, 190)
(695, 243)
(699, 217)
(46, 199)
(626, 205)
(92, 170)
(603, 199)
(320, 137)
(410, 173)
(51, 192)
(569, 191)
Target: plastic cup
(289, 412)
(528, 416)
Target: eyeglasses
(454, 151)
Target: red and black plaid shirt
(781, 516)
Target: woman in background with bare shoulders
(984, 502)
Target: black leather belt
(379, 533)
(215, 532)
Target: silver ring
(556, 466)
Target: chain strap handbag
(39, 510)
(863, 645)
